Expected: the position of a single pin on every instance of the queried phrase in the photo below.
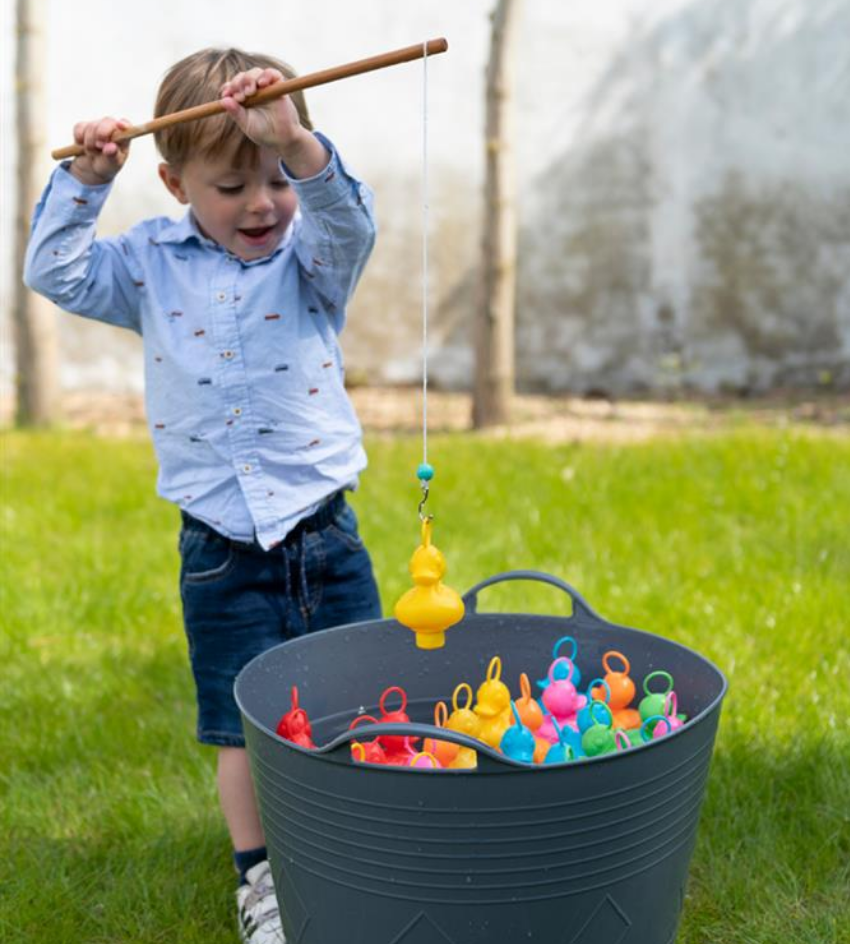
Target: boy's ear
(173, 180)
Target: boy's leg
(238, 802)
(232, 612)
(258, 913)
(237, 602)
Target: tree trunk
(494, 348)
(36, 348)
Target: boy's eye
(230, 189)
(280, 184)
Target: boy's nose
(260, 201)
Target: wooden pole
(406, 54)
(495, 322)
(34, 317)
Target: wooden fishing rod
(406, 54)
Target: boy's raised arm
(64, 260)
(336, 232)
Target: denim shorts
(240, 600)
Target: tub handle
(580, 605)
(339, 751)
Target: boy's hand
(103, 158)
(274, 125)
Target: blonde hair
(198, 79)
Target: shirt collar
(187, 229)
(181, 231)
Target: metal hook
(422, 516)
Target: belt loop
(326, 512)
(334, 506)
(285, 551)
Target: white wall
(685, 187)
(108, 58)
(692, 228)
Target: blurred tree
(36, 348)
(495, 318)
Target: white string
(425, 252)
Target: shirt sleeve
(336, 232)
(96, 278)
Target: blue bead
(425, 472)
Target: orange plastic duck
(444, 751)
(622, 690)
(530, 712)
(431, 607)
(531, 715)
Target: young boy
(239, 305)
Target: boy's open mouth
(256, 232)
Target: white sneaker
(259, 918)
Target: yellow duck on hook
(430, 607)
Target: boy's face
(246, 210)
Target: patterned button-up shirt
(244, 376)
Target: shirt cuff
(73, 200)
(331, 185)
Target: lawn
(734, 542)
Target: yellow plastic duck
(430, 607)
(465, 720)
(493, 705)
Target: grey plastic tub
(591, 852)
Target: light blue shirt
(243, 371)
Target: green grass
(734, 543)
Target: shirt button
(227, 354)
(246, 468)
(237, 411)
(221, 296)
